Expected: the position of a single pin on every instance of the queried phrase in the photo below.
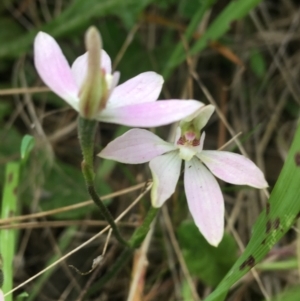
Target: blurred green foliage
(258, 63)
(204, 261)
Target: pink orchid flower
(132, 103)
(204, 196)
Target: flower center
(188, 139)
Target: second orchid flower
(204, 196)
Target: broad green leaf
(282, 209)
(204, 261)
(27, 145)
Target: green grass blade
(235, 10)
(179, 52)
(282, 209)
(8, 237)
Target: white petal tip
(214, 243)
(214, 240)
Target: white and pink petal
(205, 201)
(165, 171)
(136, 146)
(54, 69)
(233, 168)
(150, 114)
(144, 87)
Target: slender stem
(106, 214)
(87, 130)
(141, 232)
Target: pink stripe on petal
(205, 201)
(144, 87)
(165, 171)
(136, 146)
(233, 168)
(150, 114)
(54, 69)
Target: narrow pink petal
(150, 114)
(79, 67)
(144, 87)
(205, 201)
(233, 168)
(1, 295)
(135, 146)
(165, 171)
(54, 69)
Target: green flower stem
(87, 130)
(106, 214)
(141, 232)
(134, 242)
